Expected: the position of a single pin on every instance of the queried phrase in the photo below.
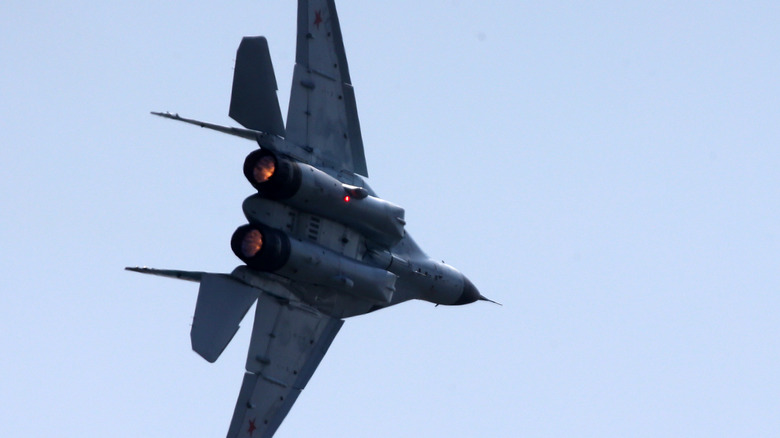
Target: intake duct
(309, 189)
(266, 249)
(261, 248)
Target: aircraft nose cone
(469, 294)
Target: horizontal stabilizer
(238, 132)
(222, 304)
(254, 103)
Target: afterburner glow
(264, 169)
(252, 243)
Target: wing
(322, 116)
(289, 340)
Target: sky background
(607, 170)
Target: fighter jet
(320, 245)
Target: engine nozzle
(274, 177)
(260, 247)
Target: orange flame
(264, 169)
(252, 243)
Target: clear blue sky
(607, 170)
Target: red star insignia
(252, 427)
(317, 18)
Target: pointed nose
(469, 294)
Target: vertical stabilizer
(254, 103)
(222, 304)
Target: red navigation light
(346, 198)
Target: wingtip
(166, 114)
(140, 269)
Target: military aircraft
(320, 246)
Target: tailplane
(222, 304)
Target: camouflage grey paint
(320, 245)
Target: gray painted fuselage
(320, 245)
